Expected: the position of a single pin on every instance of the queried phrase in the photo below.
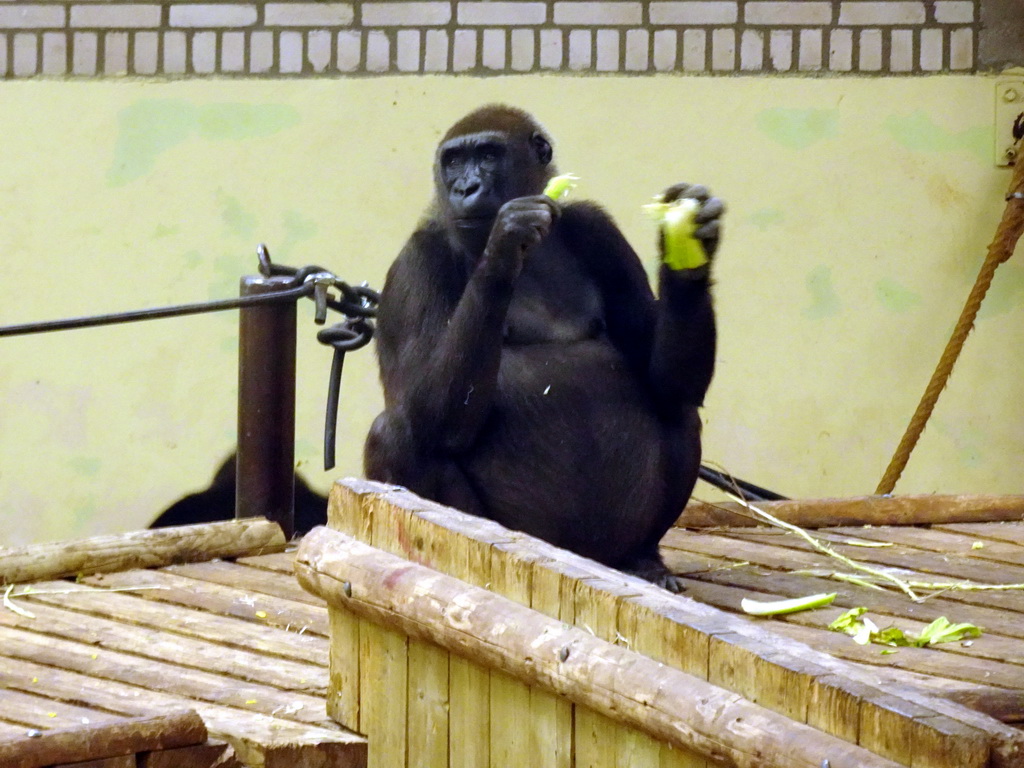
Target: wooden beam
(934, 509)
(543, 652)
(103, 740)
(140, 549)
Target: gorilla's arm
(683, 358)
(439, 341)
(441, 322)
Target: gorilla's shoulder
(586, 221)
(427, 247)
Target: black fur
(218, 503)
(530, 375)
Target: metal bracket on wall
(1009, 121)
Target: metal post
(266, 407)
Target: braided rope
(1007, 234)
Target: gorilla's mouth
(474, 222)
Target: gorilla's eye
(490, 153)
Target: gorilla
(530, 375)
(217, 502)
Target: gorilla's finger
(708, 231)
(712, 209)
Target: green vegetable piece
(560, 186)
(848, 620)
(866, 628)
(756, 608)
(892, 636)
(942, 631)
(677, 219)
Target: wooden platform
(726, 565)
(493, 634)
(238, 642)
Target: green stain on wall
(1005, 293)
(150, 127)
(896, 297)
(297, 228)
(238, 221)
(766, 217)
(824, 299)
(235, 122)
(966, 441)
(919, 132)
(85, 465)
(798, 128)
(165, 230)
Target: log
(102, 740)
(933, 509)
(140, 549)
(625, 686)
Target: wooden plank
(125, 761)
(217, 599)
(941, 567)
(212, 754)
(383, 664)
(469, 685)
(669, 643)
(343, 693)
(633, 747)
(860, 510)
(99, 740)
(630, 687)
(140, 549)
(1012, 533)
(775, 681)
(344, 513)
(928, 661)
(253, 580)
(512, 577)
(834, 706)
(938, 541)
(160, 676)
(11, 730)
(429, 699)
(551, 737)
(940, 742)
(279, 562)
(384, 688)
(32, 711)
(597, 737)
(257, 739)
(1005, 706)
(428, 705)
(132, 608)
(165, 647)
(884, 728)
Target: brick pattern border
(489, 37)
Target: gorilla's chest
(554, 299)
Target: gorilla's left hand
(709, 215)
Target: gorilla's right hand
(521, 224)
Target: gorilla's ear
(541, 147)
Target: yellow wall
(859, 212)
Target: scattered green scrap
(560, 186)
(865, 631)
(780, 607)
